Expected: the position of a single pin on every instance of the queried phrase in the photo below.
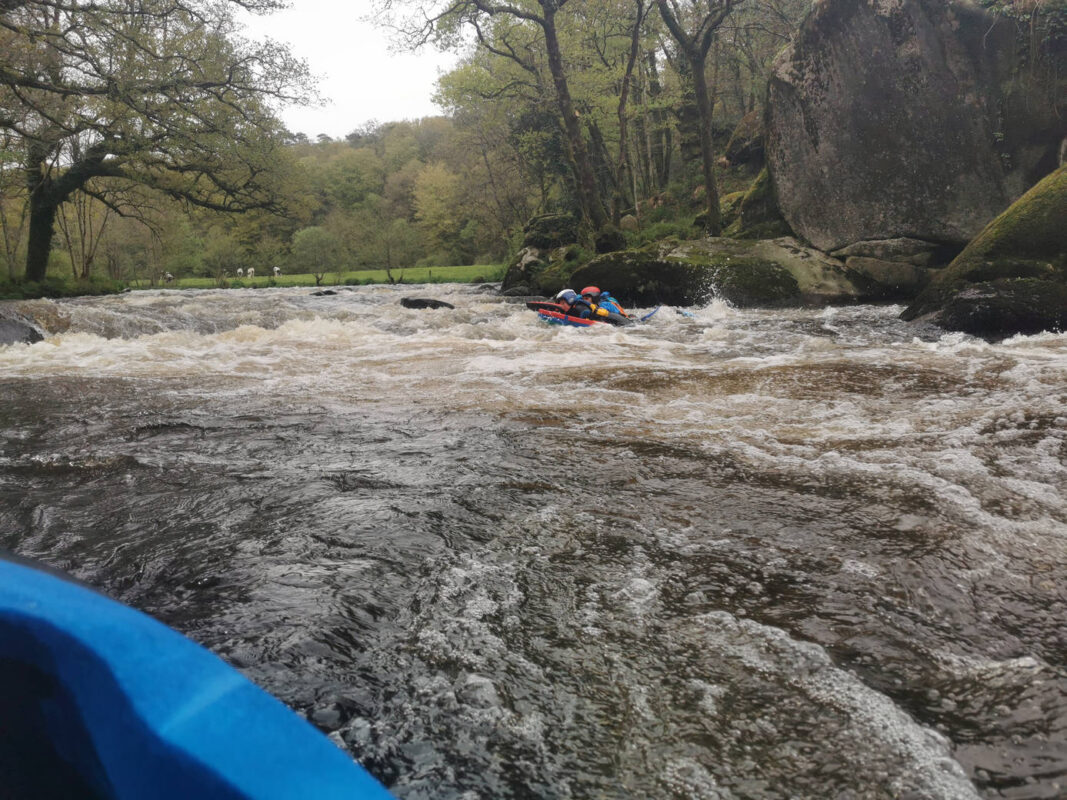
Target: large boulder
(547, 242)
(550, 230)
(903, 118)
(1013, 277)
(745, 145)
(763, 273)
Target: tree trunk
(640, 160)
(42, 225)
(713, 224)
(623, 168)
(601, 159)
(585, 179)
(660, 139)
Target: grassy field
(480, 273)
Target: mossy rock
(1028, 242)
(730, 206)
(758, 216)
(644, 276)
(745, 273)
(609, 239)
(1005, 307)
(528, 264)
(745, 145)
(889, 281)
(550, 230)
(753, 282)
(556, 277)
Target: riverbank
(56, 286)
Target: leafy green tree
(437, 208)
(503, 28)
(222, 255)
(693, 25)
(402, 244)
(161, 93)
(82, 223)
(317, 251)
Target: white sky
(358, 75)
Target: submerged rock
(423, 302)
(1013, 277)
(13, 331)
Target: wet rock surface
(14, 331)
(1013, 277)
(869, 135)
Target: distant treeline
(137, 139)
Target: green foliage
(678, 229)
(222, 255)
(448, 274)
(316, 250)
(95, 101)
(56, 287)
(431, 192)
(436, 206)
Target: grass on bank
(478, 273)
(64, 286)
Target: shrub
(673, 229)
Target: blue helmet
(567, 296)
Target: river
(737, 554)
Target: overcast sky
(356, 71)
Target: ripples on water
(796, 554)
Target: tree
(82, 224)
(493, 23)
(222, 255)
(436, 208)
(611, 31)
(317, 251)
(161, 93)
(704, 18)
(12, 204)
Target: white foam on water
(688, 779)
(922, 757)
(845, 398)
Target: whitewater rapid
(725, 554)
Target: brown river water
(737, 554)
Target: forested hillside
(139, 139)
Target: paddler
(602, 302)
(574, 305)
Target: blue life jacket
(609, 303)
